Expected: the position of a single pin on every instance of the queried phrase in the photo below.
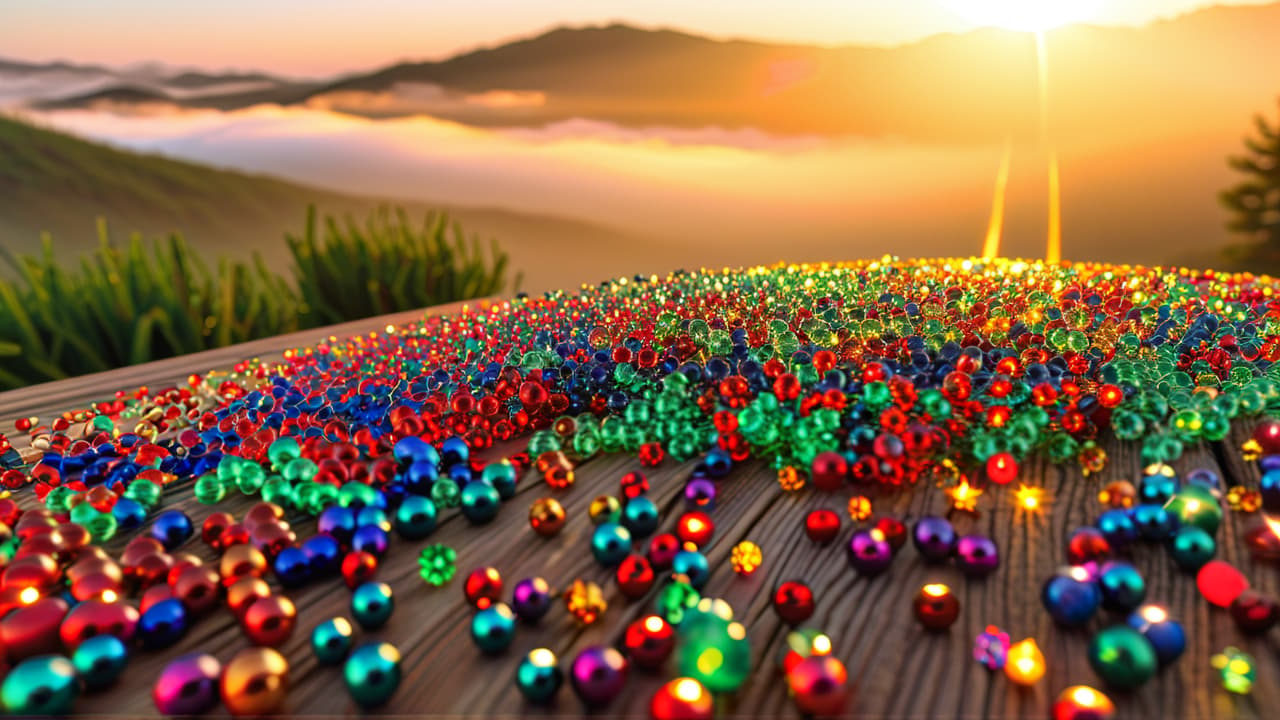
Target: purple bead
(869, 552)
(531, 599)
(337, 521)
(934, 538)
(598, 675)
(977, 555)
(371, 539)
(1269, 462)
(700, 493)
(188, 685)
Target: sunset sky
(316, 37)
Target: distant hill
(50, 181)
(1206, 67)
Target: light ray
(995, 227)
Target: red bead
(37, 571)
(240, 561)
(649, 641)
(1087, 544)
(1267, 435)
(232, 535)
(1254, 612)
(793, 602)
(635, 576)
(682, 699)
(358, 568)
(139, 548)
(153, 595)
(272, 537)
(33, 629)
(819, 685)
(260, 513)
(1002, 469)
(1220, 583)
(483, 587)
(822, 526)
(151, 569)
(652, 454)
(895, 532)
(696, 527)
(98, 617)
(830, 469)
(269, 621)
(634, 484)
(198, 589)
(662, 550)
(936, 607)
(214, 525)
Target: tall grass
(135, 302)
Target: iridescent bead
(538, 676)
(331, 640)
(640, 517)
(977, 555)
(371, 539)
(171, 528)
(531, 599)
(372, 673)
(598, 675)
(493, 628)
(502, 475)
(99, 661)
(1154, 522)
(338, 521)
(700, 493)
(1117, 528)
(934, 538)
(292, 567)
(1122, 586)
(41, 685)
(604, 509)
(372, 604)
(1192, 548)
(991, 648)
(188, 685)
(693, 566)
(546, 516)
(869, 552)
(359, 568)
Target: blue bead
(324, 554)
(371, 539)
(1122, 586)
(1071, 598)
(292, 567)
(693, 565)
(1157, 488)
(1117, 527)
(454, 450)
(129, 514)
(640, 516)
(1165, 634)
(171, 528)
(420, 476)
(338, 521)
(1154, 522)
(373, 516)
(162, 625)
(1269, 486)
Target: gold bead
(255, 682)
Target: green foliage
(1254, 203)
(135, 302)
(390, 264)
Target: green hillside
(51, 181)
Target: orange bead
(255, 682)
(243, 592)
(241, 560)
(269, 621)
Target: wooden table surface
(896, 669)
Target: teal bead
(416, 517)
(331, 640)
(480, 502)
(373, 516)
(493, 628)
(372, 604)
(640, 517)
(372, 673)
(502, 476)
(693, 565)
(358, 495)
(610, 544)
(1192, 547)
(539, 677)
(100, 660)
(1122, 657)
(41, 685)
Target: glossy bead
(1220, 583)
(794, 602)
(1196, 506)
(1081, 702)
(531, 599)
(437, 564)
(269, 621)
(936, 607)
(819, 685)
(1002, 469)
(292, 568)
(480, 502)
(682, 699)
(1192, 548)
(598, 675)
(255, 682)
(746, 557)
(339, 522)
(502, 475)
(696, 527)
(171, 528)
(372, 673)
(1269, 488)
(1154, 522)
(493, 628)
(40, 685)
(324, 555)
(1122, 657)
(649, 641)
(1158, 484)
(416, 517)
(213, 526)
(1024, 664)
(1254, 612)
(483, 587)
(700, 493)
(604, 509)
(585, 601)
(372, 604)
(1087, 544)
(977, 555)
(991, 648)
(244, 592)
(546, 516)
(635, 576)
(634, 484)
(1071, 597)
(358, 568)
(662, 550)
(1123, 588)
(1236, 669)
(99, 661)
(198, 588)
(869, 552)
(692, 565)
(370, 539)
(239, 561)
(894, 531)
(829, 471)
(1117, 528)
(538, 676)
(640, 516)
(188, 685)
(331, 640)
(96, 617)
(676, 599)
(1165, 634)
(934, 538)
(163, 624)
(610, 544)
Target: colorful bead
(436, 564)
(483, 587)
(1123, 588)
(819, 685)
(531, 599)
(936, 607)
(977, 555)
(1254, 613)
(822, 526)
(793, 601)
(869, 552)
(415, 518)
(934, 538)
(372, 673)
(269, 621)
(1081, 702)
(635, 576)
(610, 544)
(1236, 669)
(372, 604)
(746, 558)
(649, 641)
(640, 517)
(1024, 663)
(99, 661)
(188, 685)
(991, 648)
(538, 676)
(493, 628)
(598, 675)
(1220, 583)
(40, 685)
(1122, 657)
(585, 601)
(682, 699)
(1166, 635)
(1071, 597)
(255, 682)
(331, 640)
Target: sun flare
(1025, 15)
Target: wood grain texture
(896, 670)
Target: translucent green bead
(715, 652)
(57, 499)
(279, 491)
(251, 479)
(321, 497)
(101, 527)
(876, 395)
(445, 493)
(542, 441)
(299, 470)
(283, 451)
(229, 467)
(209, 489)
(102, 423)
(144, 492)
(357, 494)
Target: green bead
(502, 474)
(1192, 548)
(279, 491)
(209, 489)
(1196, 506)
(99, 661)
(716, 652)
(1122, 657)
(357, 495)
(144, 492)
(41, 685)
(372, 673)
(436, 564)
(331, 640)
(84, 513)
(299, 470)
(480, 502)
(103, 527)
(446, 493)
(372, 604)
(539, 677)
(675, 600)
(58, 498)
(416, 517)
(493, 628)
(283, 451)
(251, 479)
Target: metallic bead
(483, 587)
(415, 518)
(977, 555)
(255, 682)
(598, 675)
(546, 516)
(331, 640)
(538, 676)
(188, 685)
(1071, 596)
(99, 661)
(493, 628)
(163, 624)
(269, 621)
(819, 685)
(372, 604)
(40, 685)
(531, 599)
(1122, 657)
(610, 543)
(372, 673)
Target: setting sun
(1026, 15)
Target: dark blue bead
(338, 521)
(454, 450)
(1117, 527)
(324, 554)
(129, 514)
(420, 476)
(171, 528)
(1071, 600)
(371, 539)
(292, 567)
(162, 625)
